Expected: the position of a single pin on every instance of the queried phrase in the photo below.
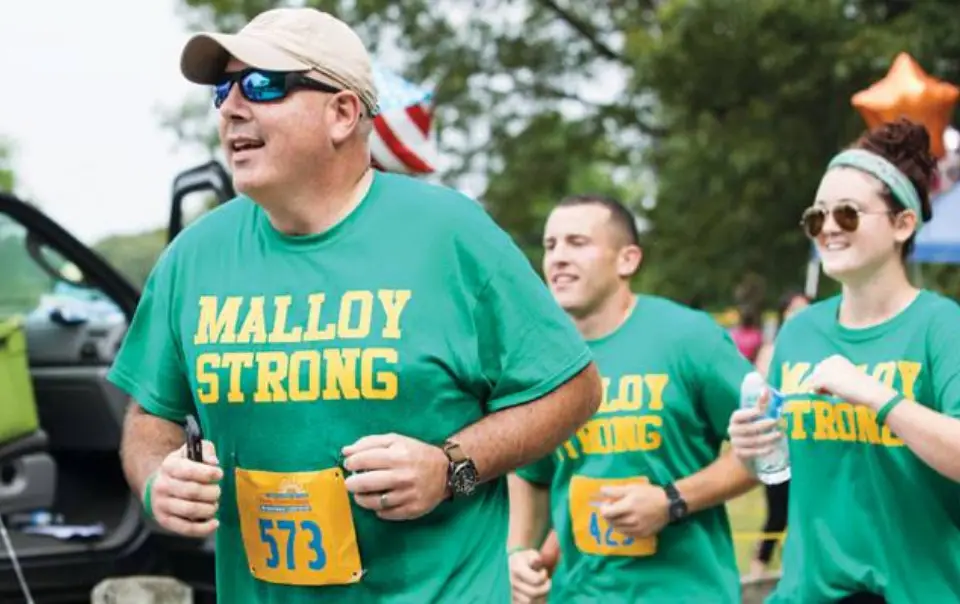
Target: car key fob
(194, 440)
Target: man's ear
(346, 113)
(628, 260)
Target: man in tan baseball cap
(287, 39)
(296, 98)
(368, 353)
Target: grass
(747, 515)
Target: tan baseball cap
(286, 39)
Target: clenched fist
(398, 477)
(529, 581)
(185, 494)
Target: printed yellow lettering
(217, 326)
(656, 383)
(606, 406)
(909, 372)
(609, 435)
(592, 439)
(341, 373)
(280, 334)
(570, 449)
(625, 436)
(382, 384)
(356, 310)
(867, 430)
(584, 438)
(633, 392)
(313, 332)
(824, 422)
(797, 410)
(254, 327)
(648, 432)
(210, 379)
(271, 370)
(236, 362)
(630, 394)
(393, 302)
(791, 376)
(306, 375)
(885, 373)
(888, 438)
(845, 422)
(604, 435)
(304, 368)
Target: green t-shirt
(671, 379)
(866, 514)
(415, 315)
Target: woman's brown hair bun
(905, 144)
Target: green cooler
(18, 408)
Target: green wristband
(147, 493)
(887, 408)
(516, 548)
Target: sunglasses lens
(256, 86)
(812, 221)
(261, 87)
(847, 217)
(220, 93)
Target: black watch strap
(677, 505)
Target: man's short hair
(621, 217)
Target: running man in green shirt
(636, 496)
(872, 385)
(368, 354)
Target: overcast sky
(84, 81)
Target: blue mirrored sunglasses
(259, 86)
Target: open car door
(71, 518)
(210, 178)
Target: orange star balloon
(908, 91)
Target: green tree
(133, 255)
(763, 104)
(730, 107)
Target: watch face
(464, 479)
(678, 510)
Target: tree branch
(584, 29)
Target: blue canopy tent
(937, 243)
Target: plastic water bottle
(773, 468)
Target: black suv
(70, 466)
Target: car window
(34, 276)
(196, 205)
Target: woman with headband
(872, 386)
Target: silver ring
(383, 501)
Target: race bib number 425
(592, 534)
(297, 527)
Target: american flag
(402, 140)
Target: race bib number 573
(592, 534)
(297, 527)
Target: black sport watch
(462, 475)
(678, 506)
